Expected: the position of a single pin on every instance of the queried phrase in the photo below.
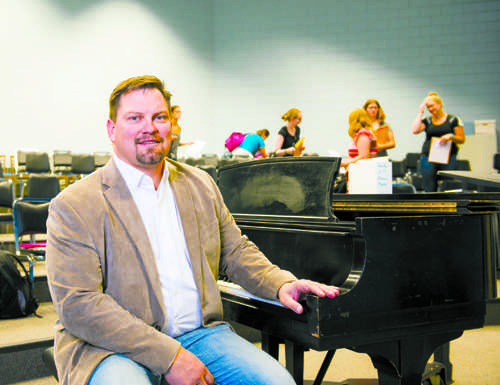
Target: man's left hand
(290, 293)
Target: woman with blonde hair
(383, 132)
(289, 135)
(444, 127)
(364, 142)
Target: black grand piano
(415, 270)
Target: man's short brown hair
(132, 84)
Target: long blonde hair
(292, 113)
(358, 119)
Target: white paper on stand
(370, 176)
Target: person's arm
(417, 126)
(263, 152)
(277, 147)
(458, 136)
(363, 144)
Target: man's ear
(111, 130)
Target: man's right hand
(187, 369)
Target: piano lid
(285, 187)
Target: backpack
(16, 290)
(234, 140)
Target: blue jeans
(429, 171)
(231, 359)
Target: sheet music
(439, 152)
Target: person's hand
(187, 369)
(290, 293)
(446, 138)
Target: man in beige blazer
(108, 256)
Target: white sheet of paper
(439, 152)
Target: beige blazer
(103, 276)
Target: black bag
(16, 291)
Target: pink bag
(234, 140)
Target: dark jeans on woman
(429, 171)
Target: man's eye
(134, 118)
(162, 118)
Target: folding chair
(7, 197)
(30, 217)
(42, 186)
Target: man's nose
(149, 126)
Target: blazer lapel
(187, 211)
(118, 196)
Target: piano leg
(403, 362)
(442, 355)
(324, 367)
(294, 358)
(271, 345)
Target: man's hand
(187, 369)
(290, 292)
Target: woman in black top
(445, 127)
(289, 135)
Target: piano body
(415, 270)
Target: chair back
(30, 217)
(7, 197)
(412, 160)
(61, 161)
(37, 162)
(7, 194)
(42, 186)
(82, 163)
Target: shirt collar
(133, 176)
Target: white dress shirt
(163, 224)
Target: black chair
(61, 162)
(7, 197)
(398, 169)
(403, 188)
(412, 161)
(30, 217)
(42, 186)
(82, 165)
(463, 165)
(415, 179)
(37, 162)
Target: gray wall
(62, 58)
(327, 57)
(239, 65)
